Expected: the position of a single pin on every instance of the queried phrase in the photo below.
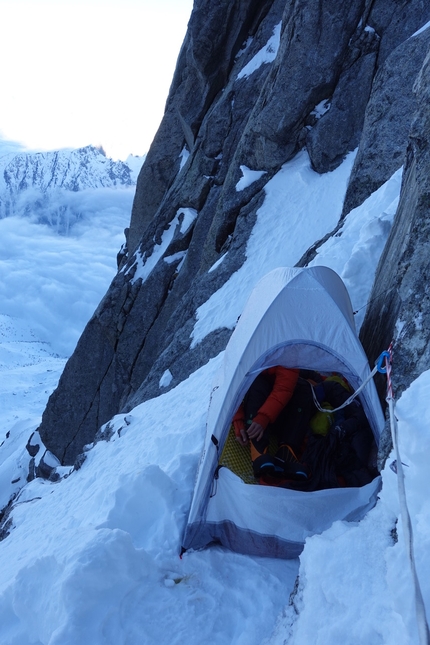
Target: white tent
(296, 318)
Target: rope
(423, 629)
(349, 399)
(381, 293)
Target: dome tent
(295, 317)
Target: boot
(262, 463)
(268, 465)
(291, 465)
(283, 465)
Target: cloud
(56, 281)
(63, 209)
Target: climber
(278, 402)
(333, 447)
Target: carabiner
(380, 360)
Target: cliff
(257, 82)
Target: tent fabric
(295, 317)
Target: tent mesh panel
(238, 458)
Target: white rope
(349, 399)
(423, 629)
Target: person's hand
(255, 431)
(242, 438)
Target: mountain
(295, 133)
(252, 88)
(91, 552)
(44, 184)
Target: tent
(295, 317)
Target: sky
(81, 72)
(94, 557)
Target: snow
(244, 47)
(248, 177)
(364, 234)
(166, 379)
(184, 218)
(301, 206)
(320, 109)
(185, 153)
(356, 579)
(94, 557)
(180, 255)
(72, 170)
(266, 54)
(423, 28)
(218, 262)
(189, 215)
(145, 264)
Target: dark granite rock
(387, 122)
(314, 45)
(216, 32)
(399, 306)
(338, 131)
(395, 21)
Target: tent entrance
(297, 318)
(238, 459)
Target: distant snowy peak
(73, 170)
(56, 188)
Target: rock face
(388, 118)
(255, 83)
(399, 309)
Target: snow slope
(94, 557)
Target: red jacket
(282, 391)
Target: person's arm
(239, 425)
(282, 391)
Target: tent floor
(237, 458)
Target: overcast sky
(79, 72)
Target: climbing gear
(321, 422)
(349, 400)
